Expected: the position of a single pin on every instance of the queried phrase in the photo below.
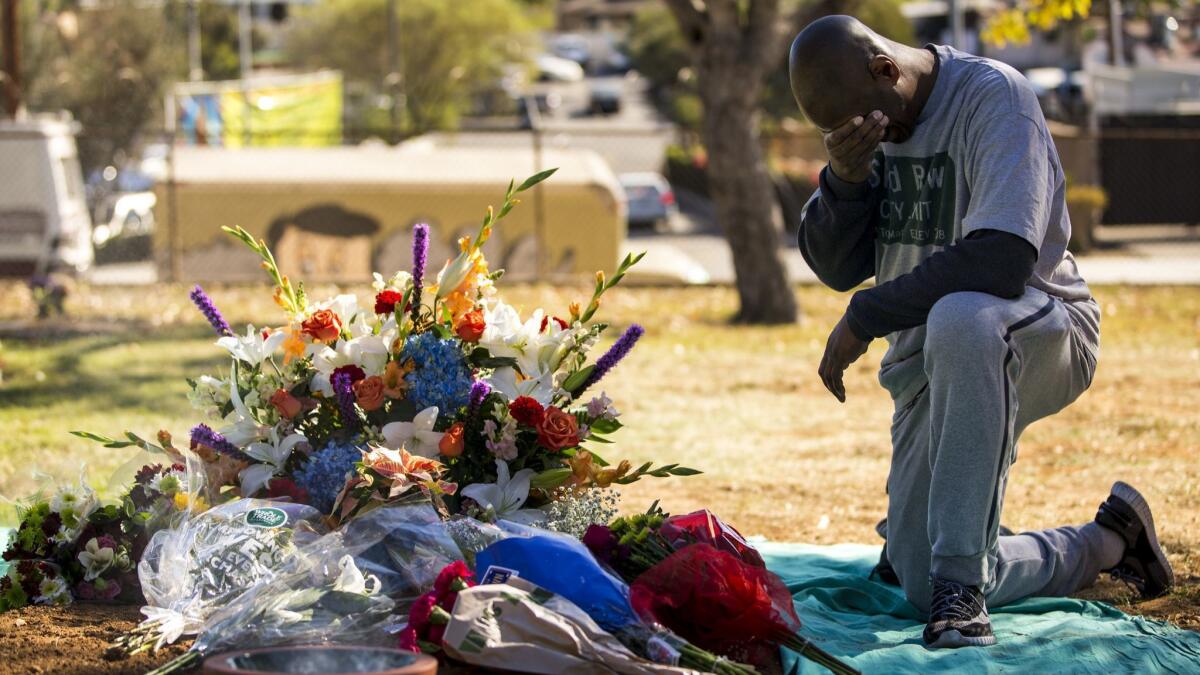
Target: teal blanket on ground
(872, 626)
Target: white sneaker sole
(952, 639)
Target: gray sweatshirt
(980, 158)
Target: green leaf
(605, 426)
(577, 378)
(598, 439)
(685, 471)
(598, 459)
(482, 358)
(535, 179)
(550, 478)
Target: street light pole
(12, 59)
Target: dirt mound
(73, 640)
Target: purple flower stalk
(202, 434)
(206, 307)
(479, 391)
(420, 255)
(344, 390)
(612, 357)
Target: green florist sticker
(266, 518)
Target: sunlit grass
(781, 457)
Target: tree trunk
(747, 208)
(733, 46)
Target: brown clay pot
(322, 660)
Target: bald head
(840, 69)
(830, 69)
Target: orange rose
(368, 393)
(452, 441)
(288, 406)
(470, 326)
(324, 326)
(558, 430)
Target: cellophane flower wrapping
(715, 600)
(194, 569)
(350, 584)
(705, 527)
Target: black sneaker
(958, 617)
(1144, 565)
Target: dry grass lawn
(782, 458)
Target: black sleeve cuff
(842, 190)
(856, 327)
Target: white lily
(253, 348)
(506, 496)
(417, 436)
(512, 384)
(95, 559)
(241, 427)
(454, 273)
(273, 454)
(352, 580)
(369, 352)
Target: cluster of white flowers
(571, 512)
(208, 396)
(539, 352)
(73, 505)
(53, 591)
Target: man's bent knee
(911, 564)
(960, 324)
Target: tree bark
(732, 53)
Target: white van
(44, 221)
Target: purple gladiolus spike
(344, 390)
(206, 307)
(612, 357)
(479, 391)
(420, 255)
(202, 434)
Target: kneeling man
(943, 184)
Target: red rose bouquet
(430, 614)
(717, 601)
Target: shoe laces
(954, 601)
(1133, 581)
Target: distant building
(598, 15)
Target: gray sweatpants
(989, 368)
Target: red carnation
(285, 487)
(354, 371)
(546, 322)
(385, 301)
(527, 411)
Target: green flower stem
(813, 653)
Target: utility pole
(394, 82)
(195, 68)
(12, 58)
(957, 26)
(245, 56)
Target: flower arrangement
(70, 546)
(435, 389)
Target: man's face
(838, 107)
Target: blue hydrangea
(442, 377)
(325, 473)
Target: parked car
(651, 202)
(605, 100)
(128, 214)
(571, 47)
(44, 220)
(555, 69)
